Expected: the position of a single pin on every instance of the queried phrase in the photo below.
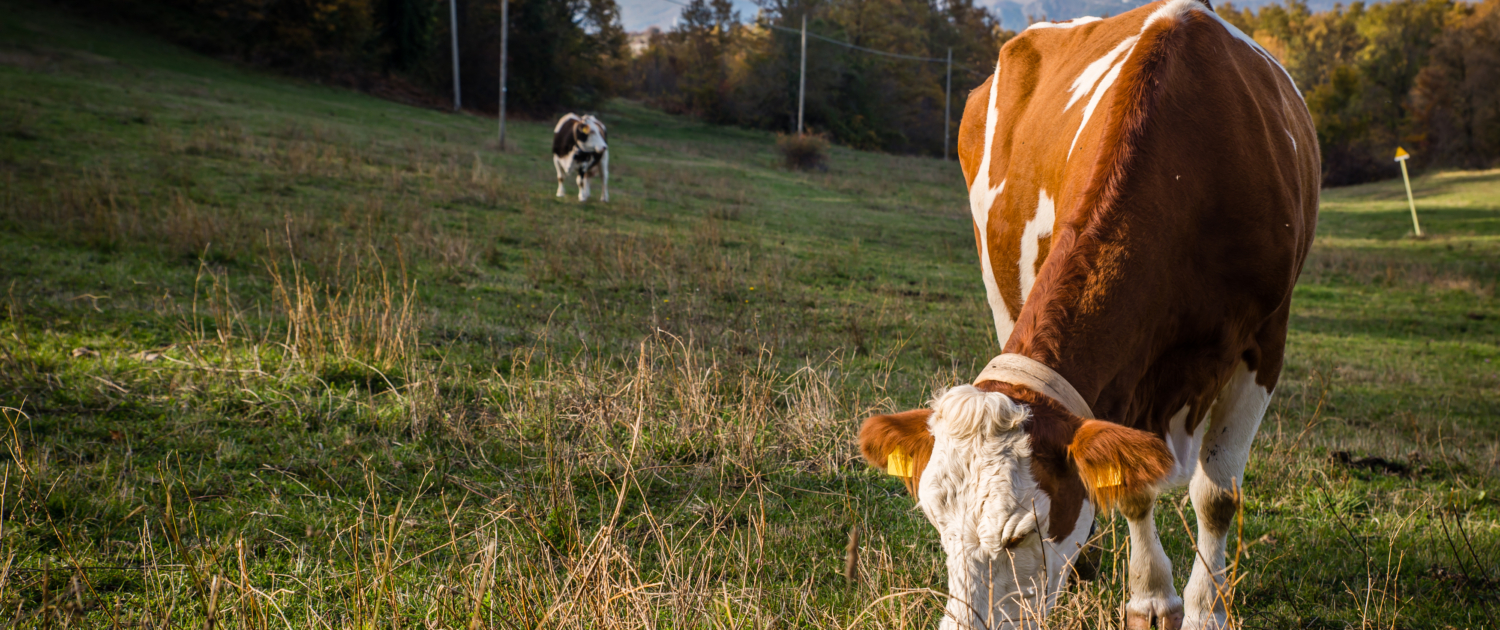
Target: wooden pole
(458, 102)
(947, 104)
(1401, 157)
(504, 42)
(802, 80)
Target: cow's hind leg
(1215, 492)
(1153, 599)
(561, 172)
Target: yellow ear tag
(1109, 477)
(898, 463)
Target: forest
(1422, 74)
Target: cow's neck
(1091, 318)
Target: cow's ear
(899, 444)
(1118, 463)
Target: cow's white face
(979, 492)
(589, 136)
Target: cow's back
(1144, 191)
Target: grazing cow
(1144, 191)
(579, 146)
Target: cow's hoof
(1152, 613)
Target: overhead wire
(857, 47)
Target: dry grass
(803, 151)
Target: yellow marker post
(1401, 157)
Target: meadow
(275, 354)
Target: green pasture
(275, 354)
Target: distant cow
(1144, 191)
(579, 146)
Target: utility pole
(947, 104)
(802, 81)
(504, 41)
(458, 102)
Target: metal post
(504, 41)
(458, 103)
(947, 104)
(802, 82)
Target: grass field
(274, 354)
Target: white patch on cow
(981, 201)
(1151, 591)
(1104, 84)
(991, 517)
(1293, 138)
(1068, 24)
(1039, 227)
(1234, 419)
(558, 127)
(1175, 9)
(1184, 448)
(1095, 71)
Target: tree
(564, 54)
(713, 67)
(1457, 94)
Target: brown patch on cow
(970, 136)
(880, 435)
(1043, 247)
(1118, 463)
(1219, 509)
(1136, 508)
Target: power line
(849, 45)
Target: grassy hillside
(278, 355)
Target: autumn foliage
(1422, 74)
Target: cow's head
(589, 134)
(1011, 481)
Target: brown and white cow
(1144, 191)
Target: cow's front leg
(583, 185)
(561, 172)
(1153, 600)
(1216, 500)
(604, 169)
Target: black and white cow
(578, 146)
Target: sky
(638, 15)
